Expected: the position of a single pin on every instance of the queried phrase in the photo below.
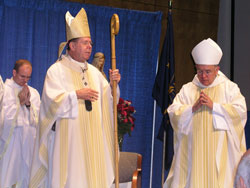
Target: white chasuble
(79, 153)
(208, 143)
(1, 89)
(1, 97)
(18, 133)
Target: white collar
(12, 82)
(84, 65)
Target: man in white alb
(20, 109)
(208, 116)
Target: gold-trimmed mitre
(78, 26)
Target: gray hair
(243, 171)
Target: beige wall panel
(99, 2)
(137, 6)
(202, 6)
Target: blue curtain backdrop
(33, 30)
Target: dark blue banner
(164, 88)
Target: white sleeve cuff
(74, 104)
(185, 120)
(118, 93)
(219, 120)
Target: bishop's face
(207, 73)
(81, 49)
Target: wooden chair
(130, 168)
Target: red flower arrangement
(125, 119)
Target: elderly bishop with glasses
(208, 116)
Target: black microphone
(88, 105)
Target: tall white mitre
(207, 52)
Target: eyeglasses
(206, 72)
(85, 43)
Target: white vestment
(208, 143)
(1, 89)
(18, 133)
(80, 152)
(1, 97)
